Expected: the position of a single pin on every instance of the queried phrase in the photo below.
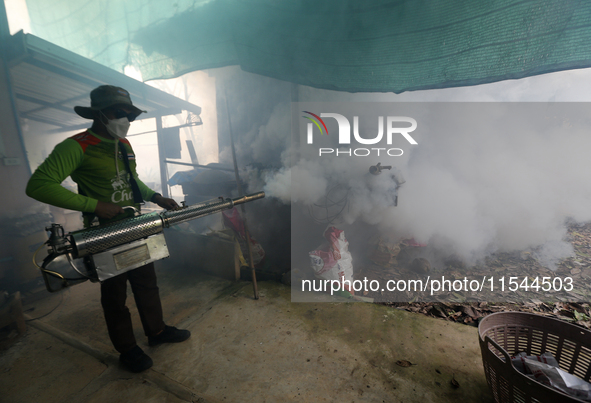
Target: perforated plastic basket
(506, 333)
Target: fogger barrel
(94, 240)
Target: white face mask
(118, 128)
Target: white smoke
(264, 143)
(475, 190)
(307, 188)
(472, 191)
(486, 190)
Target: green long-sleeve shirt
(90, 161)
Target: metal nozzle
(249, 198)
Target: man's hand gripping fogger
(109, 210)
(165, 202)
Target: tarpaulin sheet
(369, 46)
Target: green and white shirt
(96, 165)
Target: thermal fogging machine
(101, 252)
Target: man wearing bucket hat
(102, 163)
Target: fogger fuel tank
(113, 249)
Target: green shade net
(370, 45)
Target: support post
(241, 193)
(162, 157)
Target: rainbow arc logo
(388, 127)
(316, 122)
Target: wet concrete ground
(241, 349)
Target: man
(102, 163)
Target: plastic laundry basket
(507, 333)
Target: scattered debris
(470, 314)
(420, 265)
(570, 306)
(384, 253)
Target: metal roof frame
(48, 81)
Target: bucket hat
(104, 97)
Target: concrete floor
(241, 349)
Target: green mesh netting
(369, 45)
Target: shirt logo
(118, 183)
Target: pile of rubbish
(545, 369)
